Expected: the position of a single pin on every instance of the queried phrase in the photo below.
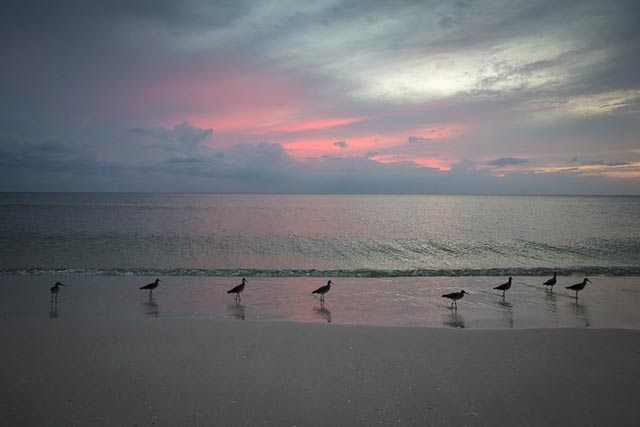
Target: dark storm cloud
(417, 140)
(243, 162)
(267, 167)
(341, 144)
(43, 156)
(181, 137)
(603, 163)
(507, 161)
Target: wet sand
(179, 371)
(610, 302)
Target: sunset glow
(201, 95)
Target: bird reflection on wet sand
(323, 313)
(507, 309)
(454, 320)
(551, 299)
(53, 309)
(237, 310)
(581, 312)
(151, 307)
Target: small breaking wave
(370, 273)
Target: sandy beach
(201, 372)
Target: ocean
(120, 234)
(390, 258)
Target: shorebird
(455, 296)
(55, 289)
(322, 290)
(504, 287)
(551, 282)
(238, 289)
(151, 286)
(579, 286)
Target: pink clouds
(251, 105)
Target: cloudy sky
(324, 96)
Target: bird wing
(235, 289)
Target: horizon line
(325, 193)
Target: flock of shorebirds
(549, 284)
(236, 290)
(323, 290)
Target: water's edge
(206, 272)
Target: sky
(426, 97)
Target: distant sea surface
(317, 235)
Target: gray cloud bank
(88, 88)
(190, 165)
(507, 161)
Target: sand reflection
(581, 312)
(507, 311)
(322, 313)
(453, 319)
(150, 307)
(237, 310)
(551, 304)
(53, 309)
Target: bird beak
(62, 284)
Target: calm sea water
(317, 235)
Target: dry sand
(170, 372)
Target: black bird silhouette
(151, 286)
(504, 287)
(455, 296)
(551, 282)
(322, 290)
(55, 289)
(238, 289)
(579, 286)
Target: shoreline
(198, 372)
(610, 302)
(302, 273)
